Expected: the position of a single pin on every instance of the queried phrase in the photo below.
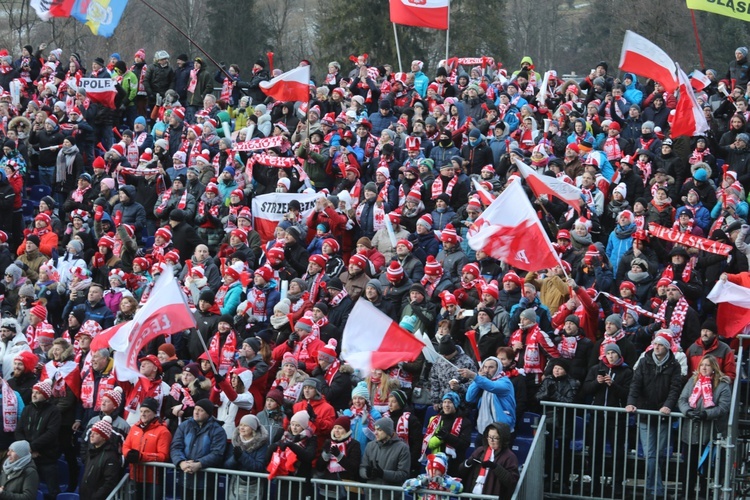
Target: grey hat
(658, 339)
(376, 285)
(430, 120)
(615, 319)
(573, 319)
(311, 382)
(744, 138)
(742, 50)
(253, 342)
(334, 200)
(612, 346)
(599, 81)
(529, 314)
(648, 124)
(372, 187)
(385, 424)
(21, 448)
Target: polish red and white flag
(100, 90)
(372, 340)
(166, 312)
(699, 81)
(645, 58)
(421, 13)
(689, 119)
(550, 186)
(294, 85)
(509, 230)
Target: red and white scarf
(226, 352)
(437, 186)
(402, 196)
(568, 345)
(181, 394)
(686, 273)
(10, 408)
(77, 195)
(106, 383)
(489, 456)
(433, 427)
(62, 373)
(333, 464)
(193, 82)
(612, 148)
(165, 199)
(331, 371)
(303, 347)
(610, 339)
(226, 90)
(532, 356)
(703, 389)
(677, 320)
(645, 168)
(338, 298)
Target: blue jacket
(504, 402)
(202, 443)
(359, 428)
(440, 220)
(381, 122)
(617, 245)
(420, 84)
(232, 299)
(632, 93)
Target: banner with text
(269, 209)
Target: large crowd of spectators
(95, 202)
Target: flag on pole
(47, 9)
(101, 16)
(699, 81)
(372, 340)
(294, 85)
(551, 186)
(166, 312)
(421, 13)
(509, 230)
(733, 299)
(100, 91)
(642, 57)
(484, 196)
(689, 119)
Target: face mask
(473, 142)
(440, 210)
(445, 143)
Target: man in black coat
(184, 236)
(159, 77)
(260, 74)
(40, 426)
(103, 468)
(339, 303)
(334, 378)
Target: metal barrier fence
(603, 452)
(223, 484)
(737, 464)
(531, 482)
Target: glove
(460, 295)
(702, 415)
(98, 260)
(334, 452)
(117, 218)
(69, 229)
(377, 473)
(523, 302)
(26, 232)
(311, 413)
(98, 213)
(20, 264)
(489, 464)
(133, 457)
(237, 452)
(298, 438)
(159, 100)
(219, 378)
(442, 433)
(283, 446)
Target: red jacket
(336, 223)
(722, 352)
(312, 349)
(47, 243)
(153, 443)
(588, 316)
(324, 417)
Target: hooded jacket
(503, 403)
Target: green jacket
(315, 168)
(130, 85)
(203, 87)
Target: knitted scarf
(334, 466)
(703, 389)
(303, 348)
(489, 456)
(65, 159)
(610, 339)
(338, 298)
(567, 346)
(77, 195)
(677, 320)
(10, 408)
(686, 273)
(434, 425)
(437, 186)
(226, 357)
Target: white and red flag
(510, 230)
(645, 58)
(166, 312)
(484, 196)
(689, 119)
(698, 80)
(733, 300)
(100, 90)
(372, 340)
(550, 186)
(421, 13)
(294, 85)
(269, 209)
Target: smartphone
(603, 373)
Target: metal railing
(604, 452)
(221, 484)
(736, 472)
(531, 482)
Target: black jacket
(158, 80)
(40, 426)
(102, 472)
(185, 239)
(654, 386)
(615, 395)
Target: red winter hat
(592, 252)
(628, 285)
(103, 427)
(329, 350)
(240, 234)
(44, 218)
(615, 126)
(264, 272)
(359, 260)
(492, 289)
(90, 328)
(471, 268)
(178, 113)
(44, 387)
(29, 360)
(119, 149)
(106, 241)
(164, 232)
(432, 267)
(304, 323)
(395, 218)
(447, 299)
(319, 259)
(414, 193)
(152, 359)
(239, 193)
(448, 235)
(39, 311)
(663, 281)
(408, 244)
(173, 255)
(563, 234)
(275, 254)
(335, 247)
(474, 205)
(212, 188)
(395, 272)
(142, 262)
(99, 163)
(232, 272)
(413, 143)
(513, 277)
(426, 221)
